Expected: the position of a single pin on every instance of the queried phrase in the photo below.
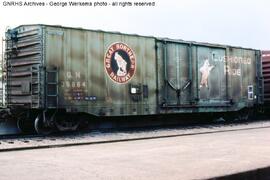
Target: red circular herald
(120, 62)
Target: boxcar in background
(266, 76)
(55, 74)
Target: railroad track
(29, 142)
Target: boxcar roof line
(157, 38)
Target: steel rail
(126, 140)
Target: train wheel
(41, 127)
(244, 115)
(25, 126)
(68, 124)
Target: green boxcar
(56, 70)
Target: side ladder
(3, 75)
(51, 87)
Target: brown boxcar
(266, 76)
(54, 70)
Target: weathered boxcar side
(198, 77)
(87, 72)
(52, 68)
(55, 71)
